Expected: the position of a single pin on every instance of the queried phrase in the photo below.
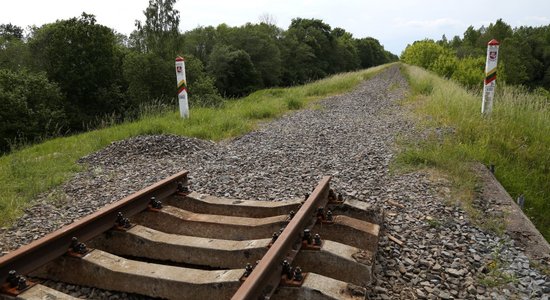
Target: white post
(489, 83)
(182, 87)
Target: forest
(71, 75)
(524, 56)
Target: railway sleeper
(192, 246)
(332, 259)
(107, 271)
(43, 292)
(206, 204)
(174, 220)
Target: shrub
(30, 107)
(470, 72)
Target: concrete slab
(206, 204)
(350, 231)
(42, 292)
(318, 287)
(338, 261)
(144, 242)
(179, 221)
(110, 272)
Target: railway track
(167, 242)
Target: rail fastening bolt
(21, 283)
(156, 204)
(307, 236)
(287, 269)
(248, 269)
(12, 278)
(298, 274)
(291, 214)
(317, 239)
(329, 216)
(274, 237)
(121, 221)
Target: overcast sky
(395, 23)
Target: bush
(422, 53)
(445, 65)
(149, 78)
(204, 93)
(234, 71)
(201, 86)
(30, 107)
(470, 72)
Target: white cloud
(427, 24)
(535, 20)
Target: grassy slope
(516, 138)
(28, 172)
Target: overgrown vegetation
(33, 170)
(515, 138)
(94, 73)
(523, 56)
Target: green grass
(36, 169)
(516, 138)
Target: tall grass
(515, 137)
(27, 172)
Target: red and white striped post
(182, 87)
(489, 83)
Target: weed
(495, 275)
(433, 223)
(293, 103)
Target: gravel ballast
(352, 138)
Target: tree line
(524, 55)
(68, 76)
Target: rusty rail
(55, 244)
(265, 277)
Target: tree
(298, 61)
(320, 41)
(159, 34)
(371, 53)
(234, 71)
(499, 31)
(201, 86)
(260, 42)
(10, 31)
(83, 58)
(149, 78)
(471, 36)
(200, 42)
(30, 107)
(14, 53)
(346, 55)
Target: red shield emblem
(492, 55)
(178, 69)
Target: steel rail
(266, 276)
(34, 255)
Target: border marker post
(489, 83)
(182, 87)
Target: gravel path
(352, 138)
